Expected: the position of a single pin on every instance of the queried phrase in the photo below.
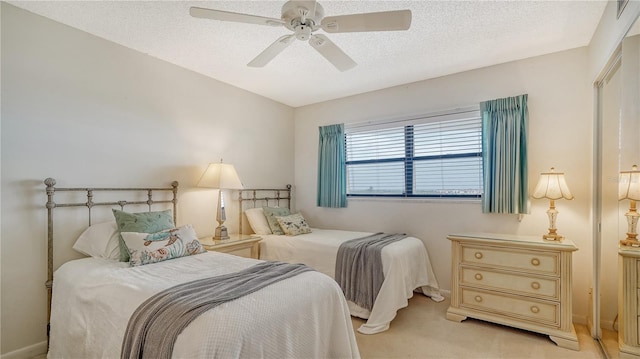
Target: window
(432, 156)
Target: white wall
(560, 132)
(88, 112)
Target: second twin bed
(405, 262)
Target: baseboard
(580, 319)
(608, 325)
(27, 352)
(445, 293)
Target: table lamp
(553, 186)
(629, 188)
(220, 176)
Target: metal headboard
(263, 197)
(51, 204)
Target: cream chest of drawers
(628, 302)
(520, 281)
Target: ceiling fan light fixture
(303, 32)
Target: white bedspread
(304, 316)
(405, 263)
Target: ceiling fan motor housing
(302, 17)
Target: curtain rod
(455, 111)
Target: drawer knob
(535, 309)
(478, 255)
(535, 285)
(535, 262)
(478, 298)
(478, 276)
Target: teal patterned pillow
(270, 213)
(294, 224)
(145, 222)
(145, 248)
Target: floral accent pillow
(146, 222)
(294, 224)
(146, 248)
(271, 213)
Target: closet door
(617, 149)
(610, 97)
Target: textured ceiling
(445, 37)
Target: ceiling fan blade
(220, 15)
(332, 52)
(372, 21)
(272, 51)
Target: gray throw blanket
(155, 325)
(359, 267)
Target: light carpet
(422, 331)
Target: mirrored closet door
(618, 141)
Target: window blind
(430, 156)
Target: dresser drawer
(546, 288)
(540, 262)
(545, 313)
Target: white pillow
(100, 240)
(258, 221)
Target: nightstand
(243, 245)
(628, 299)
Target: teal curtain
(504, 155)
(332, 173)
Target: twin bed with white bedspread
(301, 317)
(406, 264)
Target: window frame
(410, 159)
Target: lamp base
(221, 233)
(632, 223)
(630, 243)
(552, 236)
(553, 215)
(631, 240)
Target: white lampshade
(629, 185)
(221, 176)
(552, 185)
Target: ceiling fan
(304, 18)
